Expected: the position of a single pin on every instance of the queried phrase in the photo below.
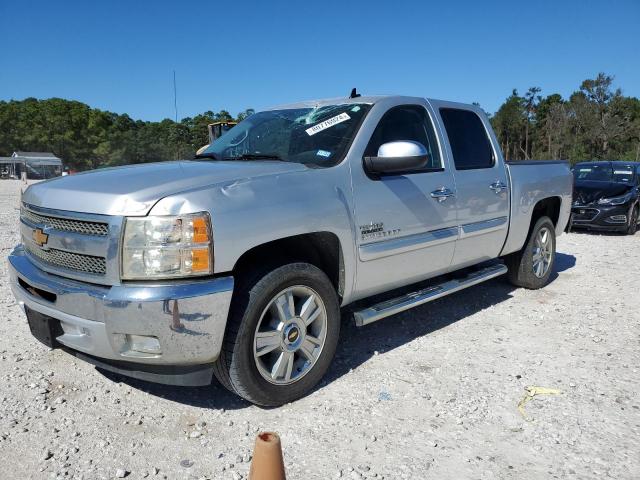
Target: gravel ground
(431, 393)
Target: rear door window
(468, 138)
(623, 174)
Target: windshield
(604, 173)
(318, 136)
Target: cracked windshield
(316, 136)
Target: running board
(405, 302)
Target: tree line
(87, 138)
(596, 122)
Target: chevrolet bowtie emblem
(39, 237)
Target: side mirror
(399, 156)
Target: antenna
(175, 96)
(175, 107)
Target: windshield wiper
(256, 156)
(207, 155)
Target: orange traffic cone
(267, 463)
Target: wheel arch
(546, 207)
(322, 249)
(549, 207)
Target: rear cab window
(470, 144)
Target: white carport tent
(9, 167)
(37, 164)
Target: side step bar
(413, 299)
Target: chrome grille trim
(81, 256)
(65, 224)
(70, 261)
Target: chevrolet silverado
(239, 263)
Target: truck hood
(587, 192)
(134, 189)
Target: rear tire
(276, 346)
(531, 267)
(632, 228)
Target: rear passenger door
(481, 183)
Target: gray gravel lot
(431, 393)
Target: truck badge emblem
(39, 237)
(376, 230)
(293, 335)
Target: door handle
(442, 194)
(498, 187)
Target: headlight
(615, 200)
(167, 247)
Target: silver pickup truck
(238, 264)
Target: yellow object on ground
(532, 392)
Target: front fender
(247, 213)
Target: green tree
(509, 124)
(596, 122)
(247, 113)
(531, 101)
(87, 138)
(552, 124)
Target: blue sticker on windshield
(323, 153)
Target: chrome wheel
(542, 252)
(290, 335)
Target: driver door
(406, 231)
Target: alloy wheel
(290, 335)
(542, 252)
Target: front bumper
(184, 321)
(600, 217)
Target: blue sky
(119, 55)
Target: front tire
(632, 228)
(531, 267)
(281, 334)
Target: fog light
(144, 344)
(617, 219)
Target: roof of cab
(372, 99)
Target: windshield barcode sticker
(343, 117)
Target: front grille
(71, 261)
(66, 224)
(589, 214)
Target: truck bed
(531, 181)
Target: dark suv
(606, 196)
